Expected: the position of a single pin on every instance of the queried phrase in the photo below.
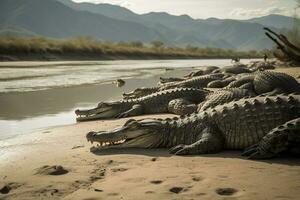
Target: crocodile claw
(173, 150)
(254, 152)
(250, 150)
(122, 115)
(181, 150)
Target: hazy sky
(237, 9)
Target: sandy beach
(57, 163)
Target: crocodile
(195, 82)
(261, 65)
(235, 125)
(202, 71)
(154, 103)
(221, 83)
(233, 69)
(169, 80)
(267, 82)
(140, 92)
(210, 71)
(241, 80)
(222, 96)
(283, 138)
(276, 82)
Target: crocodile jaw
(100, 112)
(120, 140)
(127, 136)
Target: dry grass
(15, 46)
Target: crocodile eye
(134, 125)
(102, 104)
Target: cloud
(246, 13)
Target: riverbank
(29, 169)
(45, 49)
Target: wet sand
(56, 163)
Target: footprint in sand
(176, 190)
(8, 187)
(226, 191)
(119, 169)
(98, 190)
(98, 174)
(197, 178)
(5, 189)
(156, 182)
(48, 191)
(53, 170)
(154, 159)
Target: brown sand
(57, 164)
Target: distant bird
(119, 82)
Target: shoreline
(92, 57)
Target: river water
(37, 95)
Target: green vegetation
(86, 47)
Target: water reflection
(27, 111)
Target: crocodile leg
(135, 110)
(181, 106)
(210, 142)
(282, 138)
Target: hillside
(55, 20)
(66, 19)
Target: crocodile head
(139, 92)
(104, 110)
(146, 133)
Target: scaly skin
(221, 83)
(140, 92)
(182, 107)
(222, 96)
(204, 71)
(283, 138)
(195, 82)
(246, 78)
(150, 104)
(270, 81)
(235, 125)
(267, 82)
(261, 65)
(169, 80)
(234, 69)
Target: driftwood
(288, 49)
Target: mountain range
(66, 19)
